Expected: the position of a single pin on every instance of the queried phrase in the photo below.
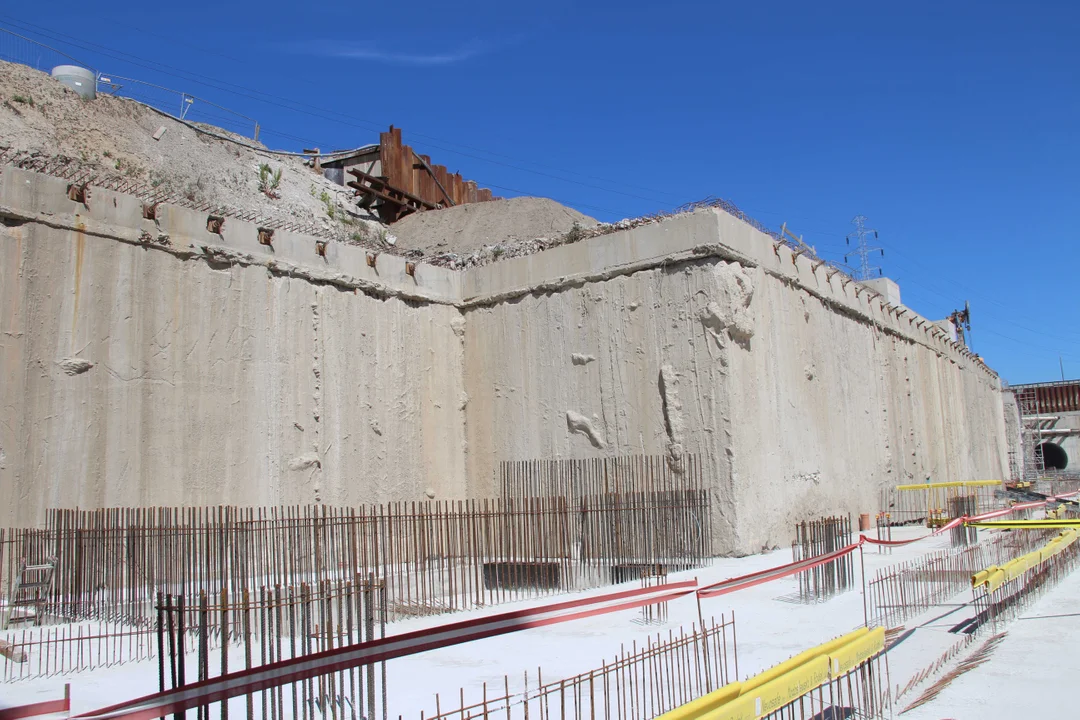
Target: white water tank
(77, 78)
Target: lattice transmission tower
(865, 270)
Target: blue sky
(953, 126)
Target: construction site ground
(770, 628)
(1028, 673)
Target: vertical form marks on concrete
(13, 367)
(457, 327)
(673, 416)
(80, 248)
(315, 478)
(800, 404)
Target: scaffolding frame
(1033, 465)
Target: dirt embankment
(114, 136)
(467, 229)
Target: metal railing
(20, 49)
(180, 104)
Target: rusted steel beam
(396, 202)
(426, 166)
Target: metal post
(862, 569)
(161, 643)
(181, 682)
(369, 630)
(704, 643)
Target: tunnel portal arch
(1053, 456)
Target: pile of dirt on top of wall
(466, 229)
(114, 137)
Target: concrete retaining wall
(228, 371)
(804, 392)
(212, 378)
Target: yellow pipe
(850, 656)
(803, 657)
(780, 690)
(776, 693)
(982, 576)
(710, 701)
(996, 580)
(808, 667)
(953, 484)
(1026, 524)
(994, 577)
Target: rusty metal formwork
(407, 182)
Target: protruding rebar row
(638, 684)
(902, 591)
(1007, 601)
(263, 618)
(635, 512)
(814, 538)
(861, 693)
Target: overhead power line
(961, 290)
(290, 105)
(314, 110)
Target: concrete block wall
(227, 371)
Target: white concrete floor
(1031, 674)
(1030, 671)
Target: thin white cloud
(367, 52)
(406, 58)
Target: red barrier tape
(309, 666)
(48, 707)
(974, 518)
(897, 543)
(763, 576)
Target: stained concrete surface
(798, 411)
(213, 370)
(213, 383)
